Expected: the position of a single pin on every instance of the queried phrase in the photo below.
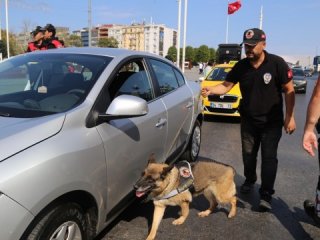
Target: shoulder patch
(290, 75)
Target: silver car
(77, 126)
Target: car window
(132, 79)
(218, 74)
(165, 76)
(179, 77)
(34, 85)
(297, 72)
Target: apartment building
(133, 37)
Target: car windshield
(218, 74)
(297, 72)
(33, 85)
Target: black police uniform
(261, 110)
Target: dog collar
(186, 180)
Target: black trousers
(268, 138)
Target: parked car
(77, 126)
(308, 72)
(299, 80)
(224, 105)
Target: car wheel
(193, 148)
(61, 222)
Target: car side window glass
(165, 76)
(180, 77)
(132, 79)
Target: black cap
(50, 28)
(253, 36)
(37, 30)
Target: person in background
(309, 143)
(50, 39)
(200, 68)
(262, 78)
(37, 43)
(207, 69)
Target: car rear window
(218, 74)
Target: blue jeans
(268, 138)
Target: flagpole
(227, 30)
(261, 16)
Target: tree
(202, 54)
(110, 42)
(212, 54)
(13, 46)
(190, 54)
(73, 41)
(172, 54)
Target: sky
(290, 25)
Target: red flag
(233, 7)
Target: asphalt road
(296, 181)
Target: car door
(178, 100)
(129, 142)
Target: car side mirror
(201, 79)
(125, 106)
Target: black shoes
(265, 201)
(265, 196)
(246, 187)
(309, 208)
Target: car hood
(299, 78)
(17, 134)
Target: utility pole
(0, 34)
(178, 33)
(184, 34)
(7, 27)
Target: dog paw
(179, 221)
(204, 213)
(231, 214)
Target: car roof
(99, 51)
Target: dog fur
(212, 179)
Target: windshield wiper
(4, 114)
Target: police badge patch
(267, 78)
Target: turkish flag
(233, 7)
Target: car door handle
(189, 105)
(161, 122)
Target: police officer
(37, 43)
(50, 39)
(262, 78)
(309, 143)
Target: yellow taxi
(223, 105)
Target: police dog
(164, 184)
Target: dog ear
(152, 158)
(166, 170)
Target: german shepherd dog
(163, 184)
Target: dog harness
(186, 180)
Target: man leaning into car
(261, 76)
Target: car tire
(67, 220)
(192, 151)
